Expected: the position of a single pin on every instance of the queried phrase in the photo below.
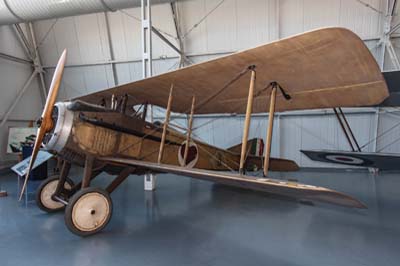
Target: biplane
(105, 131)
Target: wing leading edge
(324, 68)
(291, 189)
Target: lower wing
(291, 189)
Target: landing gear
(45, 192)
(88, 211)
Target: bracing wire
(198, 106)
(46, 34)
(396, 109)
(369, 6)
(204, 149)
(158, 127)
(138, 19)
(380, 135)
(202, 19)
(391, 143)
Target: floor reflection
(191, 222)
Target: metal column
(385, 43)
(37, 62)
(111, 49)
(147, 68)
(147, 65)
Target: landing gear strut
(87, 209)
(45, 192)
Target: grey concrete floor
(191, 222)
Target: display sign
(20, 168)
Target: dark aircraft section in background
(383, 161)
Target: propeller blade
(39, 138)
(53, 91)
(46, 123)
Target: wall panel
(12, 78)
(389, 130)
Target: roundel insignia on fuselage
(192, 157)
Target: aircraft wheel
(88, 211)
(45, 192)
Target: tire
(88, 211)
(46, 190)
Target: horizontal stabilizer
(384, 161)
(275, 164)
(290, 189)
(255, 160)
(255, 146)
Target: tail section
(255, 158)
(255, 147)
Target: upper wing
(320, 69)
(291, 189)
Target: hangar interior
(185, 221)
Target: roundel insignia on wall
(345, 159)
(192, 157)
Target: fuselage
(77, 134)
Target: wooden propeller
(46, 123)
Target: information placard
(20, 168)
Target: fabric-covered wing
(291, 189)
(324, 68)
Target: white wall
(12, 78)
(235, 25)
